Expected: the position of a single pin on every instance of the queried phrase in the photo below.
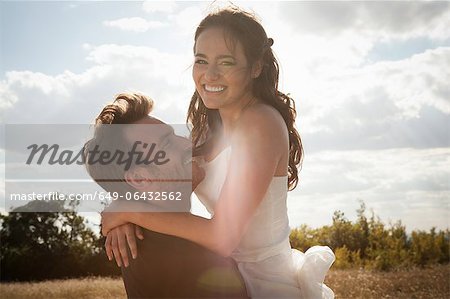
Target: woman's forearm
(202, 231)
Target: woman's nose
(212, 73)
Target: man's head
(124, 126)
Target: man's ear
(257, 69)
(137, 178)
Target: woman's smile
(221, 73)
(214, 88)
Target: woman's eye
(227, 63)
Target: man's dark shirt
(171, 267)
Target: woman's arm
(257, 146)
(181, 224)
(259, 143)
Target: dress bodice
(268, 226)
(268, 265)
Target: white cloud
(140, 61)
(367, 101)
(8, 97)
(390, 169)
(382, 19)
(57, 85)
(346, 101)
(319, 42)
(398, 184)
(159, 6)
(416, 81)
(76, 98)
(187, 20)
(135, 24)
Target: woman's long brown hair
(240, 26)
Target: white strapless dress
(268, 265)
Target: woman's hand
(118, 238)
(111, 220)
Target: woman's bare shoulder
(264, 121)
(261, 116)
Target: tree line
(370, 244)
(59, 244)
(49, 245)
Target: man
(161, 265)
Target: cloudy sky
(370, 81)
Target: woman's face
(222, 75)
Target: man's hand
(118, 238)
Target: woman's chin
(211, 104)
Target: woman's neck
(230, 115)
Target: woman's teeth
(214, 88)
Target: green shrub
(371, 244)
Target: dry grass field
(96, 287)
(433, 282)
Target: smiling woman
(222, 76)
(244, 126)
